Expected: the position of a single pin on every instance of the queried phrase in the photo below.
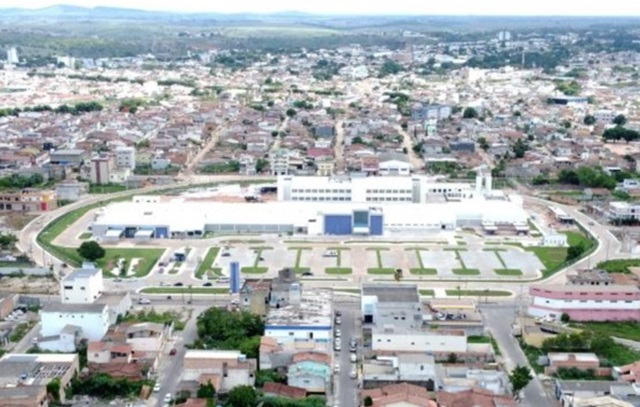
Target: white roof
(212, 354)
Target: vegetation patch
(207, 262)
(478, 293)
(423, 271)
(618, 266)
(625, 330)
(380, 271)
(255, 270)
(466, 272)
(338, 270)
(427, 293)
(146, 259)
(508, 272)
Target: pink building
(586, 303)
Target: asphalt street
(346, 388)
(498, 320)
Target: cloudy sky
(454, 7)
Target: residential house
(590, 277)
(474, 398)
(582, 361)
(272, 389)
(394, 164)
(310, 371)
(325, 166)
(117, 360)
(274, 355)
(416, 368)
(456, 378)
(628, 373)
(324, 129)
(586, 303)
(24, 377)
(71, 158)
(401, 394)
(568, 390)
(225, 369)
(71, 191)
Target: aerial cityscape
(308, 205)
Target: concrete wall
(94, 325)
(418, 342)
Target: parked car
(207, 284)
(338, 320)
(337, 333)
(173, 351)
(353, 374)
(307, 274)
(144, 301)
(330, 253)
(168, 398)
(226, 254)
(156, 387)
(336, 368)
(178, 284)
(353, 358)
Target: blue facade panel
(376, 228)
(234, 277)
(162, 233)
(338, 225)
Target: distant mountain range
(68, 11)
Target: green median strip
(254, 270)
(380, 271)
(338, 270)
(478, 293)
(508, 272)
(466, 272)
(423, 272)
(427, 293)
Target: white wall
(153, 344)
(586, 304)
(299, 334)
(82, 289)
(99, 357)
(64, 343)
(418, 342)
(93, 325)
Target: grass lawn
(85, 236)
(624, 330)
(380, 271)
(147, 259)
(180, 290)
(552, 258)
(466, 272)
(347, 290)
(423, 272)
(427, 293)
(300, 270)
(618, 266)
(532, 353)
(508, 272)
(106, 189)
(244, 241)
(254, 270)
(207, 262)
(338, 270)
(478, 339)
(493, 249)
(478, 293)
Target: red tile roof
(283, 390)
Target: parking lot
(362, 258)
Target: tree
(620, 120)
(7, 240)
(91, 251)
(397, 275)
(482, 142)
(470, 113)
(222, 329)
(242, 396)
(589, 120)
(452, 358)
(368, 401)
(291, 112)
(575, 251)
(565, 318)
(206, 391)
(519, 148)
(519, 377)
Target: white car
(353, 374)
(168, 398)
(336, 368)
(144, 301)
(337, 333)
(353, 358)
(156, 388)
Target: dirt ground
(15, 221)
(29, 285)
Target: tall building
(101, 167)
(12, 56)
(126, 157)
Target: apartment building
(623, 211)
(28, 200)
(126, 157)
(100, 169)
(82, 286)
(586, 303)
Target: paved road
(170, 368)
(498, 319)
(338, 147)
(345, 388)
(416, 161)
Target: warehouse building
(149, 218)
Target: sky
(433, 7)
